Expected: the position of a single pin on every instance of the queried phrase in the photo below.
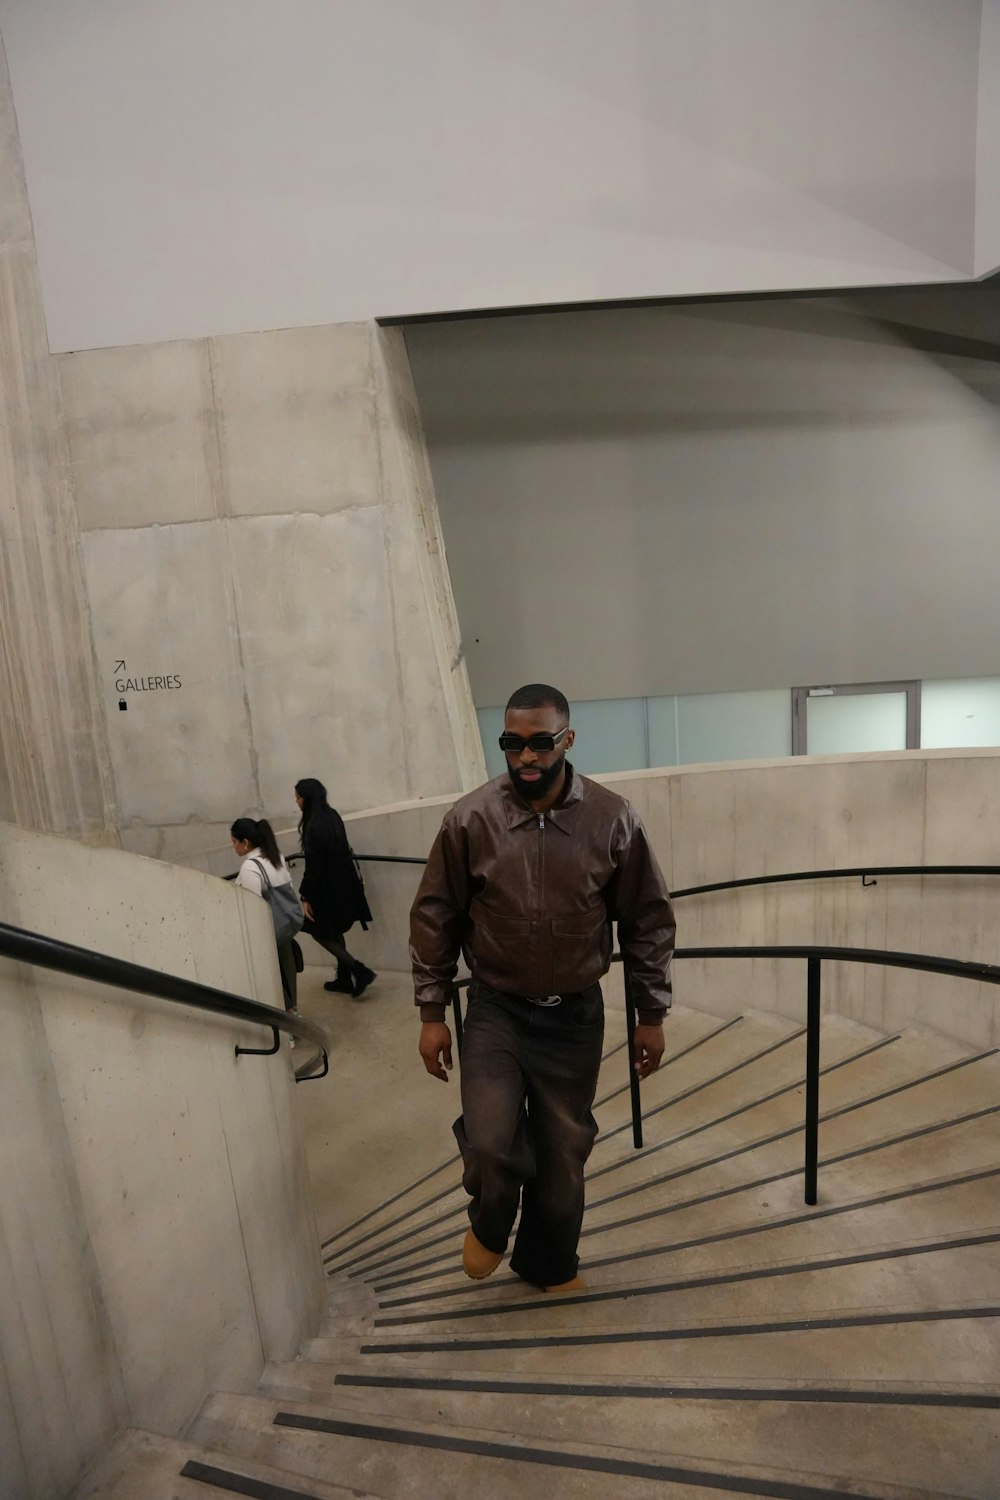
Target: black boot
(362, 977)
(343, 984)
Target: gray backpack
(286, 910)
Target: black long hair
(260, 836)
(320, 824)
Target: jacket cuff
(650, 1017)
(432, 1011)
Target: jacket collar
(518, 812)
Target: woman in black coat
(332, 895)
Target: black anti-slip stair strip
(457, 1346)
(553, 1458)
(350, 1266)
(447, 1192)
(807, 1217)
(815, 1395)
(690, 1283)
(447, 1237)
(241, 1484)
(698, 1088)
(381, 1207)
(720, 1193)
(360, 1266)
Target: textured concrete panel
(15, 215)
(54, 769)
(296, 420)
(443, 746)
(53, 755)
(162, 602)
(140, 423)
(319, 655)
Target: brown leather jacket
(530, 900)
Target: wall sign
(158, 684)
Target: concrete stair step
(867, 1201)
(957, 1343)
(909, 1275)
(762, 1053)
(912, 1435)
(688, 1086)
(143, 1464)
(896, 1098)
(909, 1175)
(864, 1079)
(402, 1458)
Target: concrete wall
(54, 764)
(260, 544)
(157, 1239)
(711, 823)
(717, 499)
(988, 144)
(199, 169)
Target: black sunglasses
(513, 744)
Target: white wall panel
(203, 168)
(713, 500)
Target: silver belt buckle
(545, 1000)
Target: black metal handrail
(84, 963)
(814, 955)
(863, 870)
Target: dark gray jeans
(529, 1076)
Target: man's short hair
(539, 695)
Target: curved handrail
(843, 874)
(960, 968)
(84, 963)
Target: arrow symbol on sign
(119, 666)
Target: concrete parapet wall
(157, 1238)
(724, 822)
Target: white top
(250, 877)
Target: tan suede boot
(477, 1261)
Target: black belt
(547, 1001)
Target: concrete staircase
(732, 1341)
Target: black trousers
(529, 1076)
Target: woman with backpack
(264, 870)
(333, 896)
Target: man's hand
(435, 1048)
(307, 910)
(647, 1049)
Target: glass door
(853, 717)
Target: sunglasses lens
(514, 744)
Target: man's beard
(537, 791)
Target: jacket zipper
(541, 880)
